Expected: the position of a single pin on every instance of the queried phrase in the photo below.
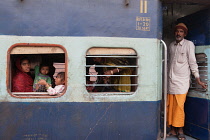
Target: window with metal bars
(203, 71)
(111, 70)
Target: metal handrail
(122, 66)
(112, 75)
(165, 87)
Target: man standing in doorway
(181, 61)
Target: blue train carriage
(197, 103)
(68, 34)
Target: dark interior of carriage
(175, 10)
(195, 14)
(107, 87)
(55, 61)
(37, 59)
(118, 61)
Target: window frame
(34, 94)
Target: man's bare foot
(172, 132)
(180, 134)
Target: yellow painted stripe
(145, 6)
(141, 6)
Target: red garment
(22, 81)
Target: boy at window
(41, 73)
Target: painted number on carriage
(143, 23)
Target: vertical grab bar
(165, 87)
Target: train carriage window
(53, 56)
(111, 70)
(203, 71)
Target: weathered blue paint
(197, 118)
(197, 107)
(79, 121)
(78, 115)
(78, 18)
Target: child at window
(59, 82)
(41, 73)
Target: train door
(196, 16)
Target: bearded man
(182, 62)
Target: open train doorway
(196, 15)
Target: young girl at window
(59, 82)
(41, 73)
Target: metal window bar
(34, 94)
(112, 75)
(31, 93)
(112, 56)
(203, 71)
(99, 85)
(108, 66)
(117, 66)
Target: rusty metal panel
(36, 50)
(111, 51)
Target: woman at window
(22, 80)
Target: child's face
(59, 80)
(44, 70)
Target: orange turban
(181, 26)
